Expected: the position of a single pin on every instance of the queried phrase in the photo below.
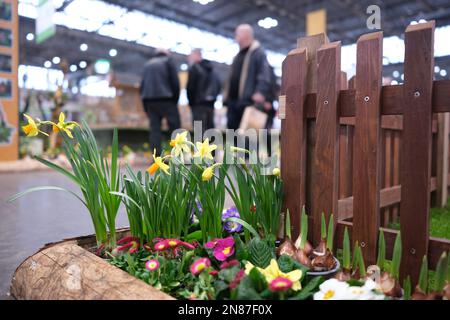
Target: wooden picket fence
(364, 151)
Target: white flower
(366, 292)
(332, 289)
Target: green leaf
(245, 225)
(423, 276)
(44, 188)
(245, 290)
(196, 235)
(381, 250)
(407, 288)
(258, 279)
(323, 229)
(330, 233)
(346, 250)
(259, 253)
(304, 228)
(441, 273)
(285, 263)
(396, 257)
(309, 289)
(288, 224)
(355, 283)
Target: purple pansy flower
(231, 226)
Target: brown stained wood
(391, 100)
(442, 158)
(293, 135)
(436, 246)
(343, 143)
(415, 171)
(65, 271)
(396, 171)
(387, 170)
(326, 153)
(312, 44)
(351, 83)
(367, 148)
(344, 82)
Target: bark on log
(66, 271)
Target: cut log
(67, 271)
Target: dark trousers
(156, 110)
(205, 114)
(234, 115)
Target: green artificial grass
(439, 222)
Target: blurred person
(160, 91)
(203, 87)
(249, 82)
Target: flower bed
(183, 241)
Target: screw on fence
(325, 102)
(366, 98)
(363, 244)
(417, 94)
(413, 251)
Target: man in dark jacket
(160, 91)
(203, 87)
(249, 82)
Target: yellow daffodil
(180, 144)
(64, 126)
(32, 128)
(158, 164)
(272, 271)
(209, 172)
(204, 150)
(276, 172)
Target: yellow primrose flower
(158, 164)
(32, 128)
(276, 172)
(64, 126)
(204, 149)
(272, 271)
(179, 144)
(209, 172)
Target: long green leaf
(346, 250)
(423, 276)
(396, 257)
(330, 234)
(381, 250)
(245, 225)
(44, 188)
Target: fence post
(293, 134)
(416, 146)
(367, 150)
(442, 158)
(325, 175)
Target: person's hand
(258, 98)
(267, 106)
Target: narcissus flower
(152, 265)
(158, 164)
(64, 126)
(276, 172)
(209, 172)
(32, 128)
(180, 144)
(280, 284)
(199, 265)
(204, 150)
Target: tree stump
(67, 271)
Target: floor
(38, 218)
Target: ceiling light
(422, 21)
(437, 69)
(402, 77)
(183, 67)
(83, 64)
(268, 23)
(113, 52)
(30, 36)
(47, 64)
(396, 74)
(393, 82)
(84, 47)
(73, 68)
(203, 2)
(413, 22)
(56, 60)
(443, 73)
